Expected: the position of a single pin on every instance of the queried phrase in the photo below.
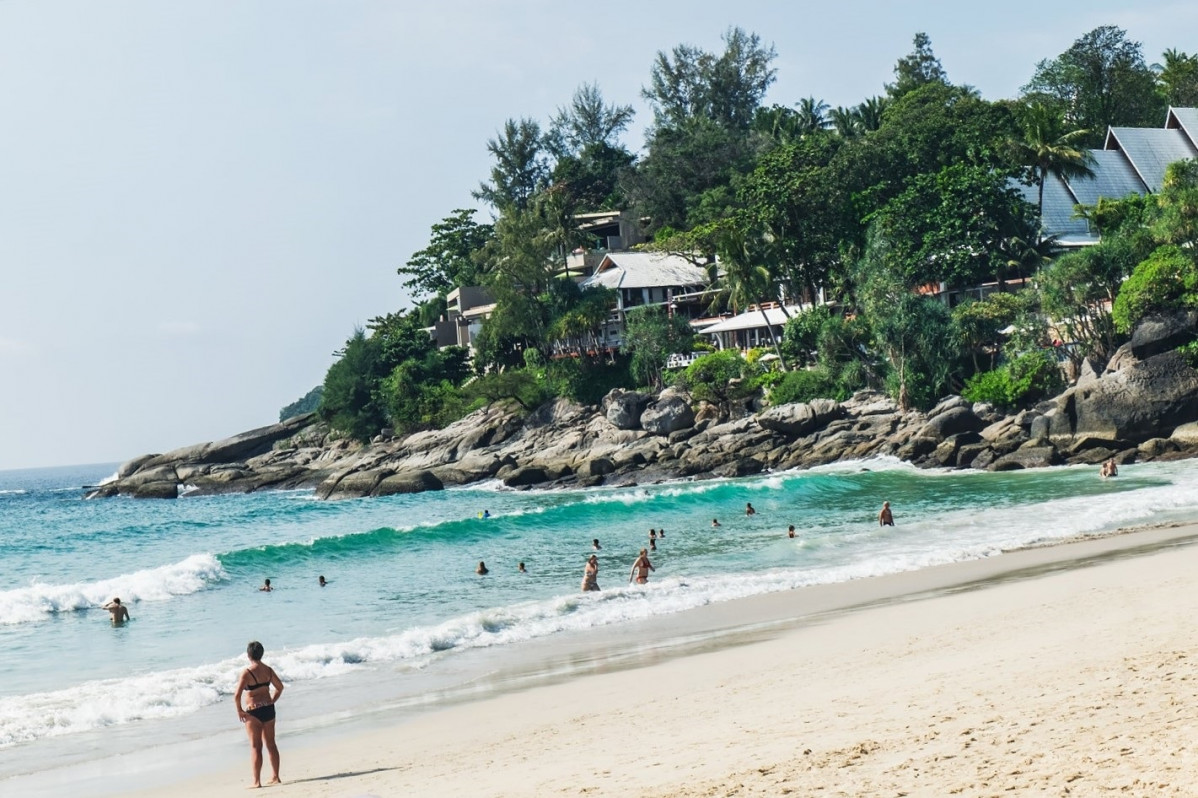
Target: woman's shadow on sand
(346, 775)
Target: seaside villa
(1132, 161)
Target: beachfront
(1062, 670)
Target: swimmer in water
(120, 613)
(481, 570)
(790, 532)
(520, 568)
(749, 509)
(714, 523)
(321, 581)
(266, 588)
(641, 568)
(595, 544)
(590, 574)
(885, 517)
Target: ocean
(405, 622)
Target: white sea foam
(829, 555)
(41, 600)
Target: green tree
(950, 226)
(917, 69)
(588, 121)
(651, 335)
(915, 333)
(794, 195)
(349, 401)
(1100, 81)
(812, 115)
(448, 261)
(1046, 147)
(1167, 280)
(720, 378)
(516, 385)
(1076, 292)
(520, 169)
(1178, 78)
(690, 83)
(745, 274)
(981, 324)
(307, 403)
(1176, 219)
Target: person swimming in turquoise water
(120, 613)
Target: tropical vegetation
(876, 209)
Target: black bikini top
(256, 685)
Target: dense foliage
(307, 403)
(860, 222)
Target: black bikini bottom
(264, 714)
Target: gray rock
(957, 418)
(624, 408)
(797, 420)
(1026, 457)
(667, 415)
(1146, 400)
(1162, 333)
(526, 475)
(153, 490)
(597, 467)
(407, 482)
(130, 467)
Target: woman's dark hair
(255, 651)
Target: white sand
(1073, 682)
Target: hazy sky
(199, 200)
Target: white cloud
(179, 328)
(11, 346)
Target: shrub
(803, 386)
(1166, 280)
(1019, 382)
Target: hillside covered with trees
(916, 186)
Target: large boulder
(407, 482)
(523, 476)
(797, 420)
(666, 415)
(1162, 333)
(1146, 400)
(623, 408)
(956, 419)
(1026, 457)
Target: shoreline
(577, 691)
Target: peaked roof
(1133, 161)
(1151, 150)
(752, 319)
(646, 270)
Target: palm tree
(744, 277)
(812, 115)
(1178, 77)
(870, 111)
(1048, 149)
(846, 122)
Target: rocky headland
(1142, 405)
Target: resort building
(647, 278)
(1132, 161)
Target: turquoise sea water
(403, 603)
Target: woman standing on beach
(590, 574)
(259, 716)
(641, 568)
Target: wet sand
(1063, 670)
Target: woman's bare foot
(275, 780)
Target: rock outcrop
(1142, 405)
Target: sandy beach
(1064, 670)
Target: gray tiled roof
(1114, 178)
(1151, 150)
(1186, 119)
(646, 270)
(1058, 219)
